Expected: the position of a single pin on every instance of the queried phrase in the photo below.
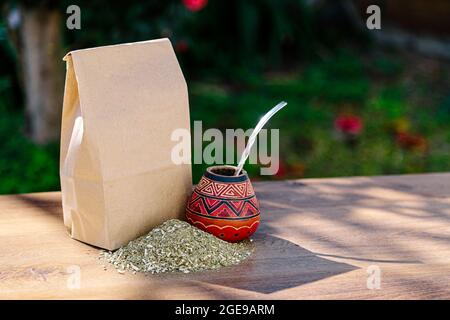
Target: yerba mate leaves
(176, 246)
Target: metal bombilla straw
(254, 134)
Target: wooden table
(319, 239)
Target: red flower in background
(296, 170)
(282, 170)
(195, 5)
(410, 141)
(181, 46)
(290, 170)
(349, 124)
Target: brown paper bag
(121, 104)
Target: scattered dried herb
(176, 246)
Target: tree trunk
(43, 72)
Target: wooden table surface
(319, 239)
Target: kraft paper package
(121, 105)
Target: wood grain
(319, 238)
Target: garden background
(361, 102)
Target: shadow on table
(276, 264)
(46, 202)
(346, 211)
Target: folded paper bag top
(121, 105)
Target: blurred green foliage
(373, 88)
(252, 33)
(24, 166)
(242, 57)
